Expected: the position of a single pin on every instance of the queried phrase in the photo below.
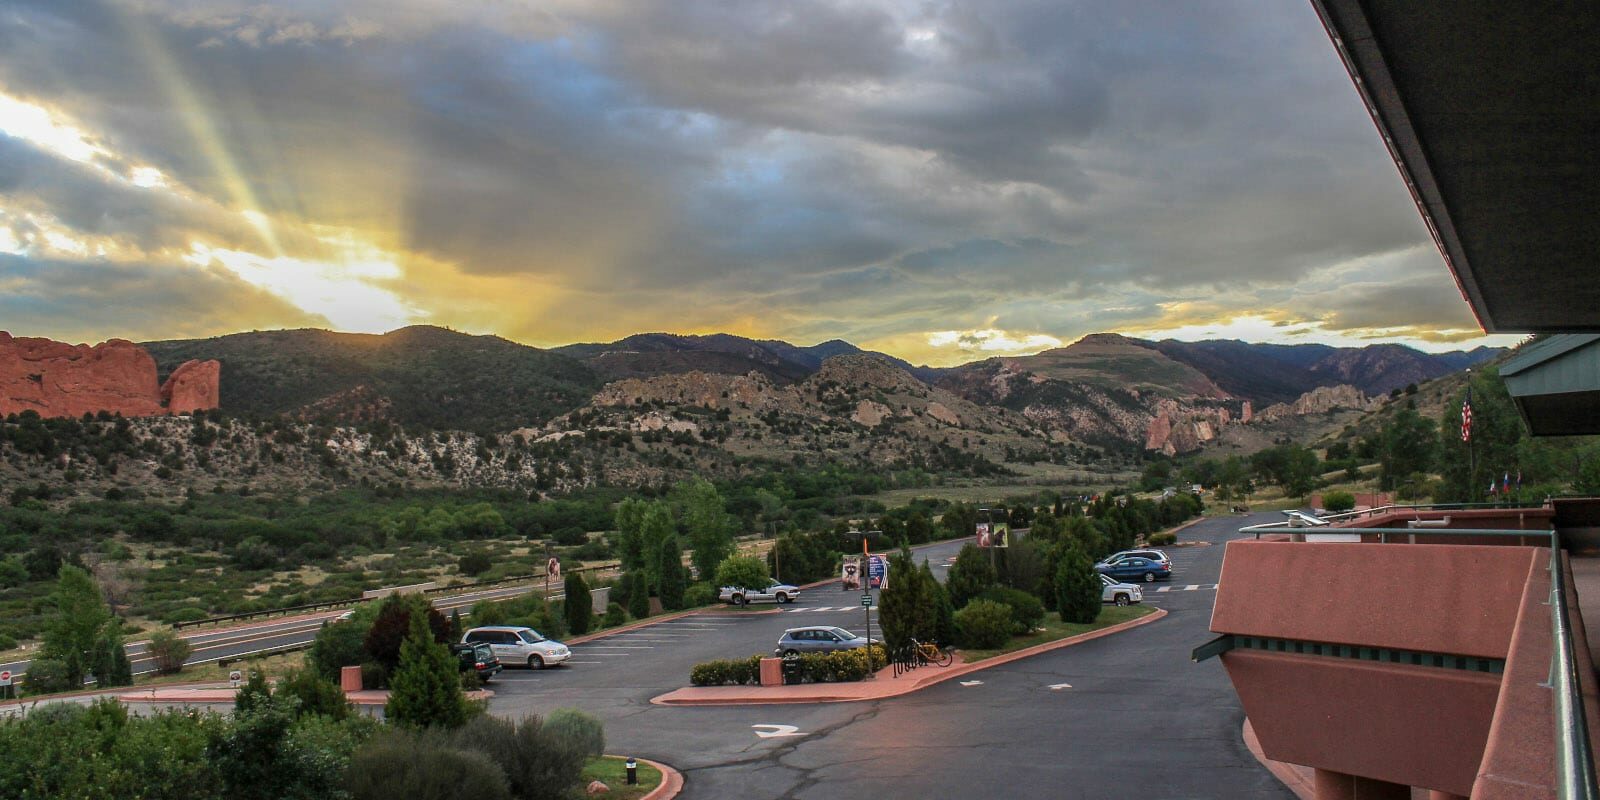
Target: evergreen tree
(80, 616)
(670, 580)
(1078, 587)
(656, 527)
(1497, 432)
(638, 593)
(900, 602)
(630, 533)
(970, 576)
(705, 517)
(255, 694)
(110, 665)
(579, 608)
(425, 689)
(942, 629)
(1407, 446)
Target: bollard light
(633, 771)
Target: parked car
(478, 656)
(773, 592)
(1154, 555)
(1120, 593)
(819, 639)
(519, 645)
(1136, 568)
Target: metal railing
(1376, 511)
(1575, 769)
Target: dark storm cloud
(955, 161)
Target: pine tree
(670, 581)
(1078, 587)
(425, 689)
(970, 576)
(943, 624)
(110, 665)
(580, 613)
(630, 533)
(638, 585)
(899, 603)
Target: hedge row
(836, 667)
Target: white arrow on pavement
(1059, 686)
(776, 731)
(972, 683)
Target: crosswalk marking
(820, 609)
(1193, 587)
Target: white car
(519, 645)
(773, 592)
(1120, 593)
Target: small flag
(1505, 483)
(1466, 416)
(1519, 480)
(1491, 486)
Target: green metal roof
(1555, 384)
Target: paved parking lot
(1123, 715)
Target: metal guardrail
(1575, 767)
(1375, 511)
(328, 605)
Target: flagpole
(1472, 455)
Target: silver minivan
(519, 645)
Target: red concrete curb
(1294, 777)
(671, 781)
(893, 687)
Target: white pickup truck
(773, 592)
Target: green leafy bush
(699, 594)
(48, 675)
(615, 615)
(314, 693)
(475, 563)
(1336, 502)
(721, 672)
(169, 651)
(1162, 539)
(421, 766)
(578, 605)
(971, 575)
(983, 625)
(185, 614)
(1027, 612)
(541, 758)
(745, 572)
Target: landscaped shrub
(970, 576)
(314, 693)
(46, 675)
(419, 766)
(1162, 539)
(615, 615)
(983, 625)
(1336, 502)
(721, 672)
(541, 758)
(1027, 612)
(699, 594)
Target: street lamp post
(866, 594)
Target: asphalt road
(1126, 715)
(243, 640)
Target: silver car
(818, 639)
(519, 645)
(1120, 593)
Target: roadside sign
(552, 569)
(235, 677)
(866, 601)
(5, 677)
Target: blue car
(1136, 569)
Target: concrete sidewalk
(883, 684)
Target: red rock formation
(193, 386)
(63, 380)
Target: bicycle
(931, 654)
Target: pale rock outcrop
(870, 413)
(941, 412)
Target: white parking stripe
(588, 648)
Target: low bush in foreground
(836, 667)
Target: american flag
(1466, 416)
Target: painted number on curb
(776, 731)
(972, 683)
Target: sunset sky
(941, 181)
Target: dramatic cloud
(936, 179)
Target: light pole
(989, 517)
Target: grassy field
(1055, 629)
(610, 771)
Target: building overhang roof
(1491, 110)
(1555, 384)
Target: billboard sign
(877, 571)
(851, 573)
